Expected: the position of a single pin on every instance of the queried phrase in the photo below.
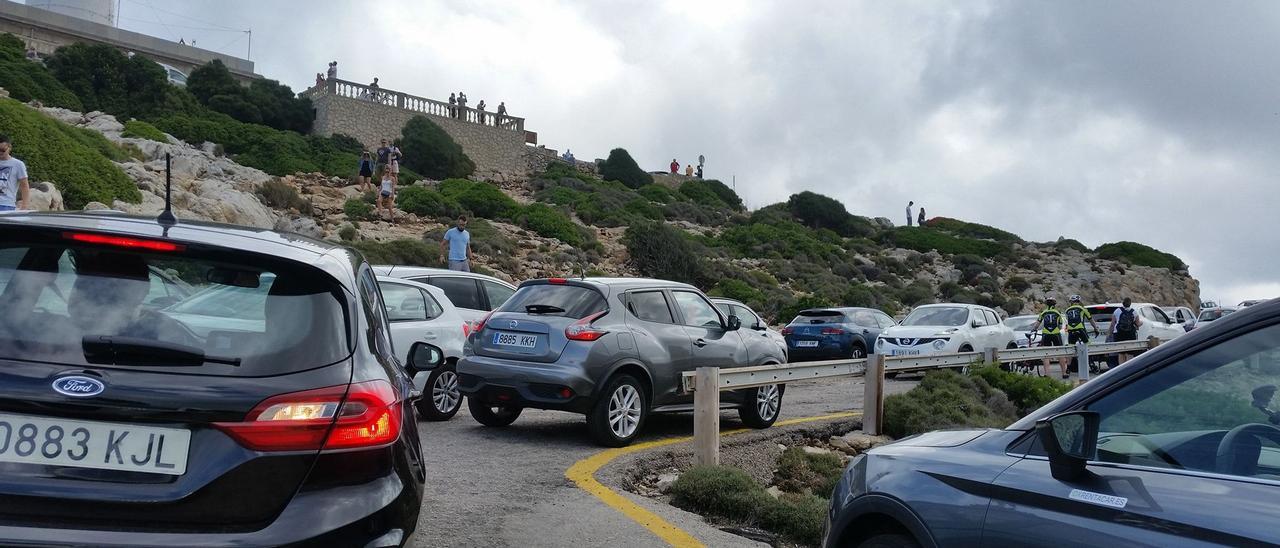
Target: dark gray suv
(610, 348)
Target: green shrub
(730, 494)
(805, 302)
(560, 170)
(488, 201)
(864, 296)
(263, 101)
(280, 195)
(924, 240)
(964, 229)
(358, 210)
(971, 267)
(1017, 283)
(946, 399)
(801, 472)
(658, 193)
(142, 130)
(425, 202)
(549, 222)
(348, 233)
(702, 193)
(432, 152)
(399, 252)
(1068, 243)
(1014, 305)
(26, 80)
(722, 191)
(1138, 254)
(12, 48)
(917, 293)
(620, 167)
(738, 290)
(782, 239)
(106, 79)
(273, 151)
(69, 157)
(660, 251)
(1026, 392)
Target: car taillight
(120, 241)
(582, 330)
(787, 331)
(832, 331)
(557, 281)
(479, 326)
(369, 416)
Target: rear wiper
(114, 350)
(542, 309)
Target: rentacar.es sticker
(1098, 498)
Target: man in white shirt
(909, 217)
(1125, 322)
(14, 189)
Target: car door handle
(699, 343)
(430, 335)
(415, 395)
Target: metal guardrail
(706, 421)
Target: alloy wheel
(768, 399)
(444, 392)
(624, 411)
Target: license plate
(806, 344)
(904, 353)
(101, 445)
(516, 340)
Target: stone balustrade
(413, 103)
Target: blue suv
(834, 333)
(1178, 447)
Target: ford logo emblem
(78, 386)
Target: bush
(358, 210)
(817, 211)
(432, 152)
(1138, 254)
(425, 202)
(786, 313)
(971, 230)
(1068, 243)
(737, 290)
(864, 296)
(1014, 305)
(25, 80)
(1017, 283)
(658, 193)
(1027, 263)
(280, 195)
(399, 252)
(924, 240)
(946, 399)
(702, 193)
(142, 130)
(488, 201)
(549, 222)
(972, 267)
(1026, 392)
(620, 167)
(660, 251)
(264, 101)
(72, 158)
(919, 292)
(801, 472)
(348, 233)
(273, 151)
(105, 79)
(730, 494)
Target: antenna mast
(166, 217)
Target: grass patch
(946, 399)
(1138, 254)
(801, 472)
(141, 130)
(357, 209)
(730, 494)
(964, 229)
(280, 195)
(399, 252)
(927, 239)
(1026, 392)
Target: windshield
(1021, 323)
(256, 315)
(948, 316)
(1211, 315)
(569, 301)
(809, 317)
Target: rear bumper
(376, 513)
(525, 384)
(828, 352)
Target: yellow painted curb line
(583, 473)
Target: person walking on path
(1050, 325)
(1077, 315)
(1124, 325)
(502, 113)
(909, 204)
(364, 178)
(675, 166)
(15, 192)
(920, 220)
(387, 198)
(456, 246)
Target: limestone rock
(860, 442)
(63, 115)
(45, 197)
(103, 123)
(884, 222)
(297, 224)
(774, 491)
(95, 206)
(665, 481)
(816, 450)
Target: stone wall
(497, 153)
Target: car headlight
(939, 344)
(879, 343)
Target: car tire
(441, 399)
(889, 541)
(619, 413)
(493, 415)
(761, 406)
(858, 352)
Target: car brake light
(120, 241)
(582, 330)
(478, 327)
(368, 416)
(787, 331)
(557, 281)
(832, 331)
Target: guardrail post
(990, 355)
(1082, 361)
(706, 416)
(873, 395)
(1152, 342)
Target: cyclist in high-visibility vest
(1077, 315)
(1050, 325)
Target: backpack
(1075, 317)
(1128, 323)
(1050, 320)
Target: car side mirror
(974, 324)
(1071, 441)
(424, 357)
(734, 323)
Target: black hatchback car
(1178, 447)
(264, 408)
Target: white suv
(946, 328)
(474, 294)
(1155, 323)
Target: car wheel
(618, 415)
(761, 406)
(441, 400)
(493, 415)
(858, 352)
(889, 541)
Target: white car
(1021, 326)
(944, 329)
(752, 321)
(1155, 323)
(420, 312)
(1181, 315)
(475, 295)
(1210, 315)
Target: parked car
(1250, 302)
(175, 76)
(419, 312)
(1210, 315)
(475, 295)
(121, 424)
(1181, 315)
(612, 349)
(1155, 323)
(946, 328)
(750, 320)
(834, 333)
(1177, 447)
(1023, 336)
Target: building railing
(707, 382)
(352, 90)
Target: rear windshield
(1022, 323)
(1211, 315)
(938, 315)
(223, 312)
(569, 301)
(1102, 313)
(809, 317)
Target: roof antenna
(166, 217)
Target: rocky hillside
(806, 252)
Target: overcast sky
(1102, 121)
